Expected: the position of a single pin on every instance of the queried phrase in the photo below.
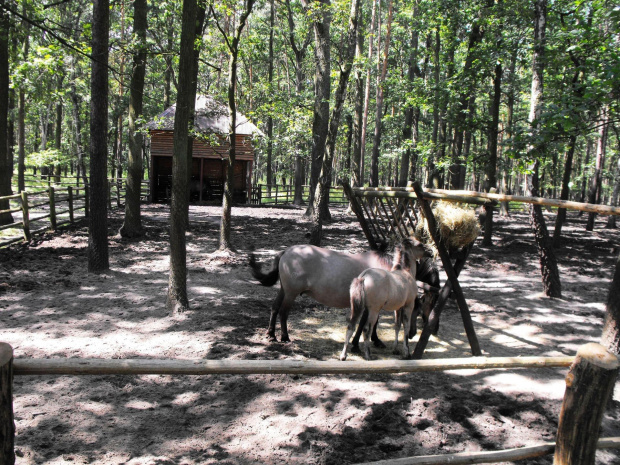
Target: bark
(6, 168)
(491, 164)
(98, 259)
(77, 124)
(611, 329)
(410, 128)
(300, 54)
(322, 92)
(7, 416)
(594, 194)
(475, 37)
(374, 166)
(132, 226)
(270, 79)
(177, 300)
(611, 219)
(168, 72)
(568, 167)
(356, 157)
(322, 189)
(548, 262)
(364, 129)
(233, 49)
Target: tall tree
(98, 259)
(177, 300)
(321, 11)
(232, 43)
(6, 170)
(611, 329)
(322, 188)
(132, 226)
(374, 163)
(594, 194)
(548, 262)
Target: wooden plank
(427, 195)
(506, 455)
(90, 366)
(449, 269)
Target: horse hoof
(355, 350)
(272, 338)
(285, 339)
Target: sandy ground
(51, 307)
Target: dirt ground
(51, 307)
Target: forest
(510, 97)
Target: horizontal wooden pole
(10, 197)
(402, 194)
(483, 197)
(76, 366)
(11, 225)
(569, 205)
(507, 455)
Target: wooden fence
(59, 202)
(589, 384)
(278, 194)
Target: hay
(458, 227)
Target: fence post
(52, 208)
(26, 216)
(589, 386)
(276, 193)
(7, 423)
(70, 192)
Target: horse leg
(275, 310)
(287, 303)
(407, 315)
(354, 319)
(398, 316)
(375, 339)
(372, 321)
(355, 344)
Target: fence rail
(59, 201)
(279, 194)
(600, 365)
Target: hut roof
(211, 117)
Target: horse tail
(272, 276)
(358, 298)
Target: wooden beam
(484, 197)
(449, 269)
(507, 455)
(90, 366)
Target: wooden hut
(210, 153)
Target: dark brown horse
(323, 274)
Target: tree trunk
(568, 167)
(594, 194)
(611, 219)
(374, 165)
(270, 79)
(364, 129)
(322, 189)
(77, 124)
(548, 262)
(177, 300)
(356, 158)
(132, 226)
(322, 92)
(98, 260)
(611, 330)
(409, 138)
(225, 225)
(491, 164)
(6, 169)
